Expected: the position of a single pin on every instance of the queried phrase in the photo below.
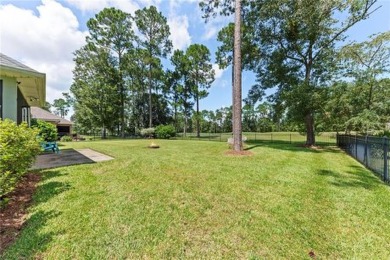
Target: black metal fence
(327, 138)
(371, 151)
(273, 137)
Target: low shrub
(18, 147)
(148, 132)
(66, 138)
(165, 131)
(47, 131)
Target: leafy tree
(154, 31)
(296, 40)
(61, 105)
(94, 89)
(200, 74)
(135, 74)
(47, 106)
(111, 31)
(363, 103)
(366, 63)
(180, 86)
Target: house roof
(39, 113)
(31, 83)
(11, 63)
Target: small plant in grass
(18, 147)
(47, 131)
(66, 138)
(148, 132)
(165, 131)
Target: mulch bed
(14, 213)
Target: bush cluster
(66, 138)
(47, 131)
(18, 147)
(165, 131)
(148, 132)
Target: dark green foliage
(18, 147)
(47, 131)
(165, 131)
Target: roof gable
(11, 63)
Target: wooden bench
(50, 146)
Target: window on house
(26, 115)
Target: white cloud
(179, 32)
(44, 42)
(214, 25)
(98, 5)
(218, 71)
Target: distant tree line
(119, 82)
(304, 81)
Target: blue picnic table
(50, 146)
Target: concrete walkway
(69, 157)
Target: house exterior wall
(10, 95)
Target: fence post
(290, 139)
(385, 159)
(356, 145)
(365, 150)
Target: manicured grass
(190, 200)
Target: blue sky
(43, 34)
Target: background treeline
(127, 77)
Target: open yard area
(188, 199)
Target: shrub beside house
(20, 88)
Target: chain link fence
(371, 151)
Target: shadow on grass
(358, 177)
(33, 239)
(295, 147)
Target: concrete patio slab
(69, 157)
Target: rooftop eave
(32, 84)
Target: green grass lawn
(190, 200)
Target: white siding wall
(10, 96)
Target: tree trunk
(197, 117)
(237, 124)
(150, 96)
(309, 118)
(185, 123)
(310, 137)
(122, 97)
